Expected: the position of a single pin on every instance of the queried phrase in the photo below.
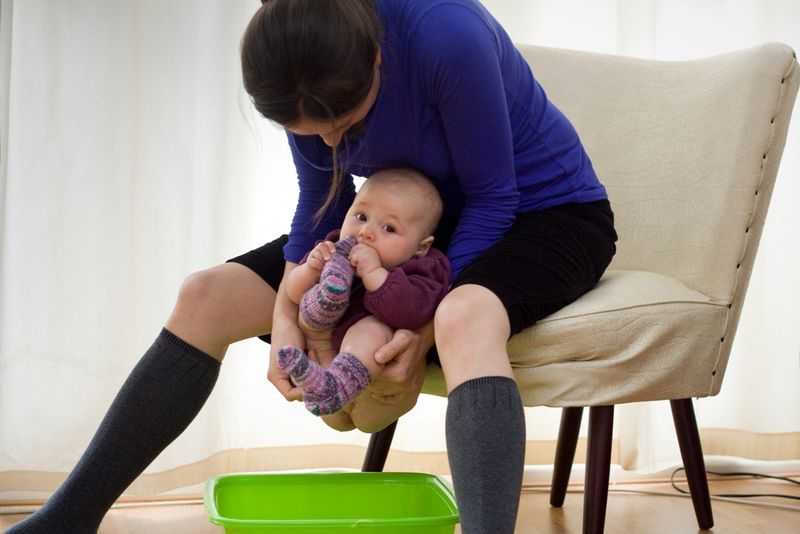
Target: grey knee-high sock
(162, 395)
(485, 431)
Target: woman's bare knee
(471, 314)
(218, 306)
(201, 297)
(472, 329)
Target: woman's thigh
(547, 260)
(268, 263)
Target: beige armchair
(689, 152)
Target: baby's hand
(321, 254)
(368, 266)
(364, 259)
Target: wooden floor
(627, 513)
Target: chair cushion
(644, 335)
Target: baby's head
(395, 212)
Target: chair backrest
(687, 150)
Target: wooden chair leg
(378, 449)
(692, 454)
(565, 453)
(598, 465)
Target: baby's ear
(425, 246)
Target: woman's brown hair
(311, 59)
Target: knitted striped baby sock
(325, 391)
(324, 304)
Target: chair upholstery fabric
(689, 152)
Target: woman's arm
(285, 331)
(461, 59)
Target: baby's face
(388, 220)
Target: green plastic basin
(383, 503)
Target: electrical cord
(739, 498)
(680, 496)
(740, 495)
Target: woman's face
(332, 133)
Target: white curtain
(130, 157)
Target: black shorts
(546, 260)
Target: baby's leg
(326, 391)
(370, 415)
(341, 420)
(324, 304)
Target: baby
(382, 274)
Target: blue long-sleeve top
(459, 103)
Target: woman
(358, 85)
(438, 86)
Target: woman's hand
(405, 365)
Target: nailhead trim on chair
(731, 310)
